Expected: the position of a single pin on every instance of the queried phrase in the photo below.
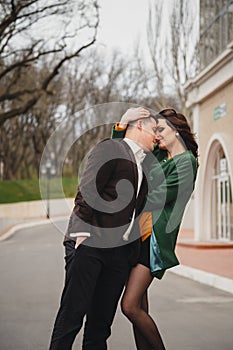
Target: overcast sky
(122, 23)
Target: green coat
(171, 183)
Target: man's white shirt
(139, 155)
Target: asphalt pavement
(190, 315)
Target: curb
(11, 231)
(207, 278)
(190, 243)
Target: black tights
(134, 305)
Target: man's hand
(133, 114)
(79, 237)
(79, 240)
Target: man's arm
(89, 190)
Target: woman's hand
(133, 114)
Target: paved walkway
(213, 258)
(205, 262)
(211, 264)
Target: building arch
(217, 191)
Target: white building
(210, 100)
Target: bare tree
(26, 44)
(142, 85)
(183, 48)
(156, 43)
(23, 138)
(172, 41)
(92, 82)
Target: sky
(122, 24)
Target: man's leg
(107, 294)
(76, 297)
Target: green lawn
(29, 190)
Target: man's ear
(139, 124)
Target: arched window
(221, 199)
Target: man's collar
(133, 145)
(137, 150)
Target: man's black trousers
(95, 279)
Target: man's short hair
(145, 120)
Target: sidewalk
(207, 262)
(211, 264)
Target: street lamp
(49, 170)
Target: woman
(172, 177)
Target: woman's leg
(140, 340)
(134, 307)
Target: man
(104, 223)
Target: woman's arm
(117, 133)
(132, 114)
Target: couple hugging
(123, 229)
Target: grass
(29, 190)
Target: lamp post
(49, 170)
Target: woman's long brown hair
(178, 122)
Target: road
(189, 315)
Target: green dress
(171, 183)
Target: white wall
(188, 218)
(11, 214)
